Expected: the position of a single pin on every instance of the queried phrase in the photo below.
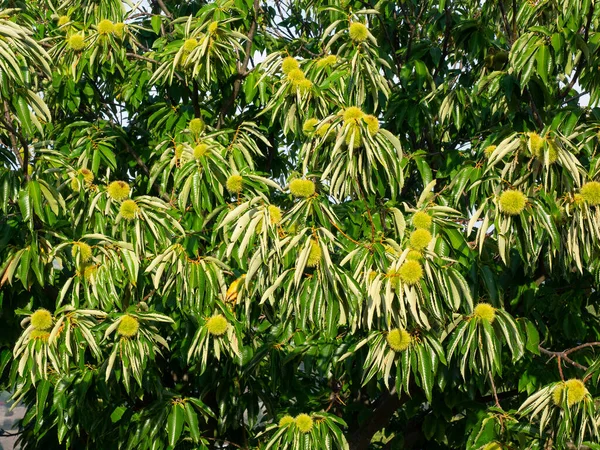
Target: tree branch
(562, 355)
(242, 68)
(535, 112)
(164, 8)
(447, 34)
(14, 136)
(494, 392)
(505, 20)
(195, 102)
(143, 58)
(586, 33)
(387, 406)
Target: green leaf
(544, 62)
(175, 423)
(426, 358)
(192, 421)
(41, 394)
(117, 413)
(533, 338)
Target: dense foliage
(301, 224)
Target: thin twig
(224, 441)
(24, 160)
(505, 20)
(343, 234)
(586, 33)
(447, 35)
(579, 347)
(143, 58)
(562, 355)
(242, 67)
(494, 390)
(558, 361)
(164, 9)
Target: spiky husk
(63, 20)
(411, 272)
(129, 209)
(118, 190)
(489, 150)
(304, 85)
(358, 32)
(512, 202)
(41, 319)
(576, 391)
(295, 75)
(39, 335)
(302, 188)
(310, 126)
(414, 255)
(88, 176)
(304, 423)
(591, 193)
(353, 114)
(85, 251)
(485, 311)
(217, 325)
(75, 185)
(323, 129)
(128, 326)
(557, 394)
(422, 220)
(420, 239)
(372, 124)
(274, 214)
(315, 254)
(189, 45)
(196, 125)
(535, 144)
(326, 61)
(212, 28)
(353, 135)
(235, 184)
(288, 64)
(119, 29)
(398, 339)
(106, 27)
(201, 150)
(285, 421)
(76, 42)
(89, 272)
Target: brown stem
(494, 392)
(164, 8)
(558, 361)
(562, 355)
(195, 102)
(505, 20)
(586, 33)
(384, 410)
(364, 199)
(536, 113)
(144, 168)
(390, 41)
(579, 347)
(514, 20)
(14, 136)
(242, 67)
(143, 58)
(447, 35)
